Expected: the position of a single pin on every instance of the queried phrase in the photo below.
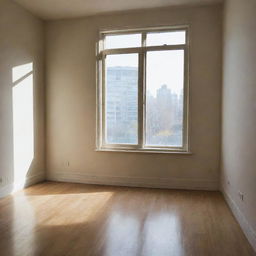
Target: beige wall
(21, 42)
(71, 103)
(239, 112)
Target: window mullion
(140, 100)
(143, 88)
(103, 101)
(144, 38)
(141, 92)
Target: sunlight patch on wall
(23, 121)
(19, 72)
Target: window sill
(154, 151)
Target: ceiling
(59, 9)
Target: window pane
(122, 99)
(123, 41)
(164, 98)
(168, 38)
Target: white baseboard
(18, 185)
(244, 224)
(172, 183)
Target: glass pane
(168, 38)
(123, 41)
(122, 99)
(164, 98)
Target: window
(143, 90)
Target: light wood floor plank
(57, 219)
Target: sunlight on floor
(92, 202)
(23, 226)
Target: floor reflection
(123, 235)
(162, 235)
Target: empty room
(127, 128)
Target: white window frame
(141, 51)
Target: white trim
(158, 151)
(249, 232)
(141, 51)
(18, 185)
(160, 28)
(151, 182)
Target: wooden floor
(74, 219)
